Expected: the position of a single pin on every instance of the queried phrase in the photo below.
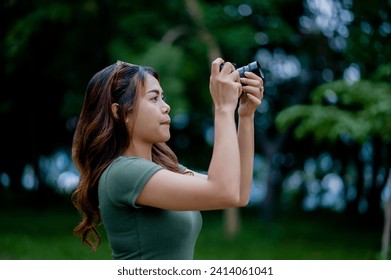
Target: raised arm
(221, 187)
(249, 101)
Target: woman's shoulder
(128, 170)
(135, 162)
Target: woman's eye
(156, 98)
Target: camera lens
(254, 67)
(251, 67)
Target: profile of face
(151, 123)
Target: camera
(254, 67)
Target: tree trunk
(231, 222)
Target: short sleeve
(125, 178)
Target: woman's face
(151, 124)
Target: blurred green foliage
(358, 111)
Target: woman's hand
(225, 87)
(252, 94)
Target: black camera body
(254, 67)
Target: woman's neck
(137, 150)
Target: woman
(131, 180)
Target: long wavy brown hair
(100, 137)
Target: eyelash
(157, 96)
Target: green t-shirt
(141, 232)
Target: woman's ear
(114, 110)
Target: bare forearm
(225, 163)
(246, 148)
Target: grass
(301, 237)
(44, 235)
(47, 235)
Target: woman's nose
(166, 108)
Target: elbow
(244, 195)
(233, 202)
(236, 202)
(227, 194)
(232, 198)
(243, 202)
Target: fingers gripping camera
(254, 67)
